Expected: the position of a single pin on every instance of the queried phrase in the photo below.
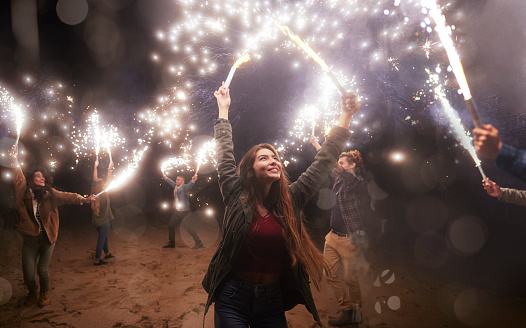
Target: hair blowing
(278, 201)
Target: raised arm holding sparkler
(181, 211)
(38, 222)
(264, 240)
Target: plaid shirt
(351, 197)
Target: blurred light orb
(397, 157)
(393, 303)
(467, 234)
(165, 205)
(209, 212)
(72, 12)
(6, 291)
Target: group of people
(37, 205)
(265, 259)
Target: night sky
(105, 62)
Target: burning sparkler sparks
(454, 120)
(241, 60)
(125, 175)
(444, 33)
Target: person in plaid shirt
(347, 237)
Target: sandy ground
(147, 286)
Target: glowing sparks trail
(206, 153)
(241, 60)
(181, 163)
(15, 110)
(126, 175)
(444, 33)
(314, 56)
(94, 125)
(454, 120)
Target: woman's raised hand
(223, 100)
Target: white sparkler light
(241, 60)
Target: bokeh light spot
(72, 12)
(467, 234)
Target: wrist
(222, 120)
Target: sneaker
(101, 262)
(109, 256)
(44, 299)
(31, 298)
(198, 245)
(169, 245)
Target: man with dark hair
(181, 210)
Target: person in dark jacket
(102, 215)
(262, 265)
(38, 221)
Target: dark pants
(175, 223)
(242, 304)
(102, 241)
(36, 248)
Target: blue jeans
(102, 241)
(36, 248)
(242, 304)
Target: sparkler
(241, 60)
(206, 152)
(125, 175)
(314, 56)
(15, 109)
(94, 125)
(444, 33)
(181, 163)
(455, 122)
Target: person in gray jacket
(507, 195)
(262, 265)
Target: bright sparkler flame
(444, 33)
(9, 102)
(454, 120)
(179, 163)
(305, 48)
(94, 124)
(125, 175)
(241, 60)
(206, 153)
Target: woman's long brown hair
(300, 246)
(96, 187)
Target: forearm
(345, 120)
(513, 196)
(223, 113)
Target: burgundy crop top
(264, 249)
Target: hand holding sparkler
(315, 143)
(487, 141)
(350, 106)
(194, 178)
(491, 188)
(223, 100)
